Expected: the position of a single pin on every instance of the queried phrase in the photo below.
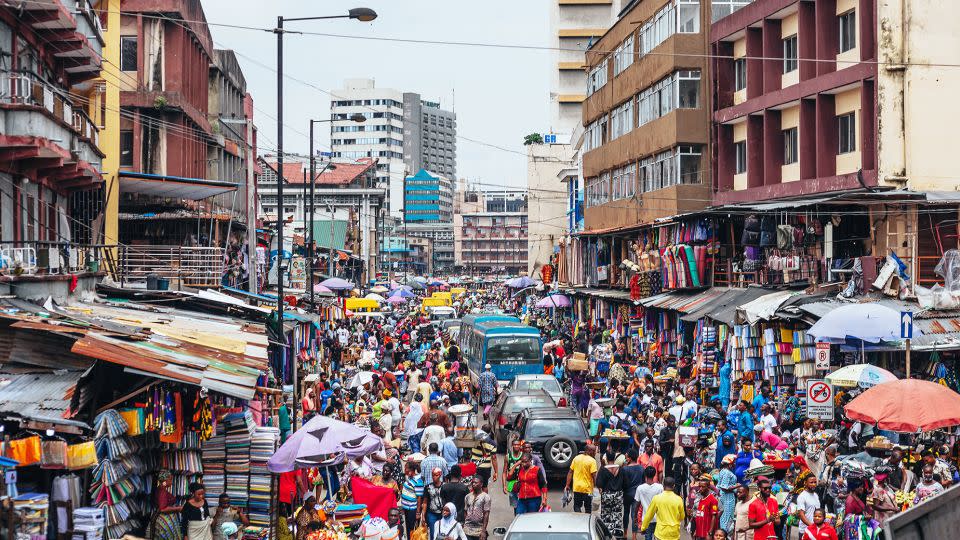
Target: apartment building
(490, 231)
(402, 131)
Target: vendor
(165, 525)
(195, 515)
(310, 512)
(226, 513)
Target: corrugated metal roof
(610, 294)
(726, 312)
(321, 234)
(42, 397)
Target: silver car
(557, 526)
(547, 383)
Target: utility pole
(251, 213)
(310, 253)
(406, 243)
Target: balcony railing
(194, 267)
(47, 258)
(27, 89)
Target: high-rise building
(490, 231)
(402, 131)
(428, 198)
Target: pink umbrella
(396, 300)
(318, 288)
(554, 301)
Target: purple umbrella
(318, 288)
(312, 444)
(521, 282)
(402, 293)
(337, 284)
(554, 301)
(396, 300)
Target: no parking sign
(819, 399)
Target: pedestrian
(432, 501)
(582, 477)
(477, 506)
(411, 496)
(455, 491)
(447, 527)
(820, 529)
(764, 512)
(741, 524)
(727, 485)
(667, 508)
(610, 484)
(530, 488)
(195, 515)
(307, 514)
(644, 495)
(484, 455)
(649, 458)
(487, 387)
(807, 503)
(706, 520)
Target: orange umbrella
(907, 406)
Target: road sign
(823, 356)
(906, 325)
(819, 399)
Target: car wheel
(558, 452)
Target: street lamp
(360, 14)
(358, 118)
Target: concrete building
(490, 231)
(51, 188)
(441, 234)
(402, 131)
(646, 117)
(347, 207)
(547, 202)
(574, 26)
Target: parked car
(547, 383)
(557, 526)
(503, 413)
(556, 434)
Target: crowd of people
(664, 455)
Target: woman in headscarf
(195, 515)
(165, 524)
(726, 445)
(746, 455)
(884, 496)
(447, 527)
(310, 512)
(611, 493)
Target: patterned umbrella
(321, 436)
(862, 375)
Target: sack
(420, 533)
(768, 238)
(53, 454)
(751, 223)
(26, 451)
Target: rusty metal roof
(42, 397)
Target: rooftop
(343, 174)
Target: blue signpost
(906, 333)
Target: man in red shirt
(708, 511)
(764, 513)
(649, 458)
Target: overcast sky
(500, 94)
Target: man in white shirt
(395, 412)
(413, 380)
(343, 336)
(645, 493)
(769, 422)
(807, 503)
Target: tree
(533, 138)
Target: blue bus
(510, 347)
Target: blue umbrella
(402, 293)
(520, 282)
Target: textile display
(262, 446)
(239, 428)
(117, 478)
(213, 458)
(378, 499)
(81, 455)
(25, 450)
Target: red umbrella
(907, 406)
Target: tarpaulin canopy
(178, 187)
(907, 406)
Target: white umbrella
(375, 296)
(870, 322)
(360, 379)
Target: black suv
(557, 435)
(506, 409)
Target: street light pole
(361, 14)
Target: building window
(848, 30)
(739, 74)
(688, 89)
(623, 56)
(721, 8)
(128, 53)
(624, 181)
(790, 54)
(847, 126)
(688, 16)
(688, 165)
(126, 148)
(597, 78)
(790, 154)
(621, 120)
(740, 163)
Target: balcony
(73, 31)
(39, 125)
(39, 259)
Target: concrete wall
(547, 204)
(916, 103)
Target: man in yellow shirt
(667, 507)
(583, 474)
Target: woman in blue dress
(744, 457)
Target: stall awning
(726, 311)
(681, 301)
(160, 185)
(607, 294)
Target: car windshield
(517, 403)
(547, 536)
(515, 349)
(567, 427)
(550, 385)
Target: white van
(441, 313)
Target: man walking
(644, 495)
(667, 508)
(583, 476)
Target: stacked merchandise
(88, 523)
(709, 357)
(255, 533)
(804, 355)
(744, 350)
(667, 331)
(239, 428)
(183, 461)
(117, 480)
(31, 509)
(778, 355)
(262, 446)
(214, 456)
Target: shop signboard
(819, 399)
